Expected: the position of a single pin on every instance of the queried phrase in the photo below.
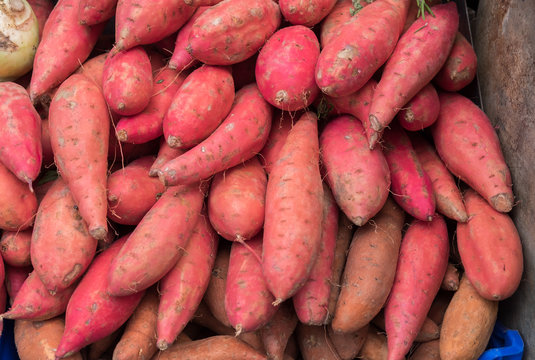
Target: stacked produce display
(250, 179)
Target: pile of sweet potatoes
(252, 180)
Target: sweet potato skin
(231, 31)
(18, 205)
(281, 125)
(285, 68)
(15, 247)
(165, 154)
(460, 67)
(469, 146)
(307, 13)
(421, 111)
(342, 12)
(427, 351)
(14, 278)
(215, 293)
(490, 249)
(276, 334)
(375, 347)
(348, 345)
(91, 12)
(314, 343)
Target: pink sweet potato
(238, 138)
(165, 154)
(292, 225)
(281, 125)
(232, 31)
(81, 147)
(276, 334)
(451, 278)
(92, 313)
(460, 67)
(42, 10)
(490, 249)
(166, 229)
(14, 278)
(421, 111)
(18, 205)
(341, 13)
(417, 58)
(62, 247)
(348, 61)
(235, 192)
(285, 68)
(64, 45)
(182, 288)
(359, 177)
(140, 22)
(91, 12)
(411, 186)
(132, 192)
(20, 133)
(199, 106)
(93, 68)
(15, 247)
(127, 81)
(449, 201)
(307, 13)
(422, 263)
(468, 144)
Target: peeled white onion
(19, 37)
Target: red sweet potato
(281, 125)
(18, 205)
(122, 153)
(414, 12)
(428, 331)
(140, 22)
(92, 313)
(215, 293)
(14, 278)
(417, 58)
(460, 67)
(490, 249)
(42, 10)
(156, 243)
(48, 154)
(20, 133)
(285, 68)
(411, 186)
(276, 334)
(422, 263)
(451, 278)
(243, 72)
(449, 201)
(232, 31)
(61, 247)
(15, 247)
(94, 68)
(235, 192)
(165, 154)
(341, 13)
(64, 45)
(238, 138)
(359, 177)
(199, 106)
(292, 225)
(182, 288)
(421, 111)
(81, 147)
(307, 13)
(132, 192)
(467, 143)
(91, 12)
(348, 61)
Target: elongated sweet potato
(428, 331)
(165, 154)
(238, 138)
(285, 68)
(307, 13)
(359, 177)
(81, 147)
(18, 205)
(215, 293)
(490, 249)
(91, 12)
(421, 111)
(467, 143)
(276, 334)
(281, 125)
(62, 247)
(292, 225)
(342, 12)
(460, 67)
(15, 247)
(422, 263)
(370, 270)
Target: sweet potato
(123, 153)
(140, 22)
(417, 58)
(235, 192)
(281, 125)
(307, 13)
(411, 186)
(15, 247)
(421, 111)
(99, 348)
(370, 270)
(341, 13)
(182, 288)
(93, 68)
(276, 334)
(429, 350)
(375, 347)
(414, 12)
(422, 263)
(469, 146)
(451, 278)
(204, 318)
(82, 160)
(165, 154)
(20, 133)
(348, 61)
(232, 31)
(292, 225)
(127, 81)
(34, 302)
(238, 138)
(139, 338)
(285, 68)
(428, 331)
(468, 324)
(359, 177)
(39, 339)
(92, 313)
(312, 299)
(243, 72)
(215, 293)
(48, 154)
(64, 45)
(147, 125)
(91, 12)
(14, 278)
(448, 198)
(348, 345)
(61, 246)
(490, 249)
(132, 192)
(460, 67)
(439, 306)
(199, 106)
(314, 343)
(18, 205)
(42, 10)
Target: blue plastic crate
(7, 343)
(504, 344)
